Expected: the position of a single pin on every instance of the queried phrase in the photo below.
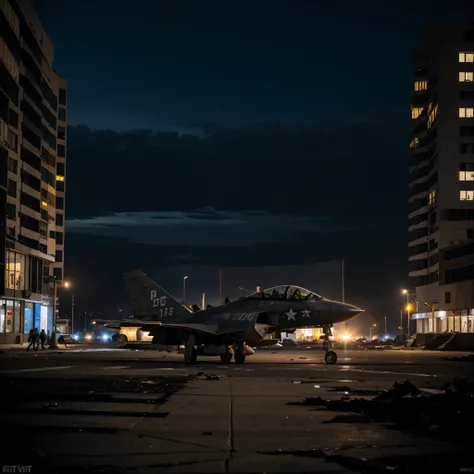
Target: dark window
(29, 223)
(30, 180)
(31, 243)
(11, 211)
(61, 151)
(459, 274)
(459, 252)
(30, 158)
(31, 136)
(466, 148)
(12, 188)
(48, 116)
(9, 37)
(59, 219)
(30, 90)
(48, 137)
(469, 35)
(58, 273)
(4, 104)
(47, 177)
(13, 165)
(59, 238)
(49, 95)
(447, 297)
(30, 114)
(59, 255)
(466, 131)
(62, 114)
(466, 94)
(3, 168)
(60, 168)
(60, 203)
(13, 118)
(31, 67)
(60, 186)
(8, 84)
(30, 40)
(62, 96)
(52, 234)
(12, 140)
(61, 133)
(30, 201)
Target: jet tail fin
(149, 300)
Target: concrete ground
(102, 409)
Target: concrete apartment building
(32, 172)
(441, 216)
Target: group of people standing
(36, 338)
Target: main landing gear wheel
(239, 358)
(226, 358)
(330, 357)
(190, 351)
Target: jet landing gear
(240, 353)
(190, 350)
(330, 357)
(227, 357)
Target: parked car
(66, 339)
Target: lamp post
(408, 308)
(72, 313)
(54, 339)
(184, 289)
(370, 332)
(385, 320)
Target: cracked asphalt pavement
(116, 410)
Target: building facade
(32, 172)
(441, 215)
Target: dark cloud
(263, 195)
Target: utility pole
(203, 301)
(72, 313)
(343, 289)
(220, 286)
(184, 289)
(385, 317)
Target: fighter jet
(232, 329)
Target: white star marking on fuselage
(306, 313)
(291, 315)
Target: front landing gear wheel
(330, 357)
(239, 358)
(226, 358)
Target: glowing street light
(370, 331)
(54, 340)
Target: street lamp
(370, 332)
(184, 289)
(54, 340)
(408, 308)
(385, 320)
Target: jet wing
(210, 329)
(107, 323)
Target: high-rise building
(441, 215)
(32, 173)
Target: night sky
(237, 133)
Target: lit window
(466, 57)
(44, 203)
(421, 85)
(466, 112)
(466, 77)
(466, 176)
(59, 178)
(432, 197)
(432, 114)
(466, 195)
(415, 142)
(416, 112)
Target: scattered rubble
(405, 404)
(206, 376)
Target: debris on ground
(206, 376)
(466, 358)
(405, 404)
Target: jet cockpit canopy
(286, 292)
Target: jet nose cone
(354, 310)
